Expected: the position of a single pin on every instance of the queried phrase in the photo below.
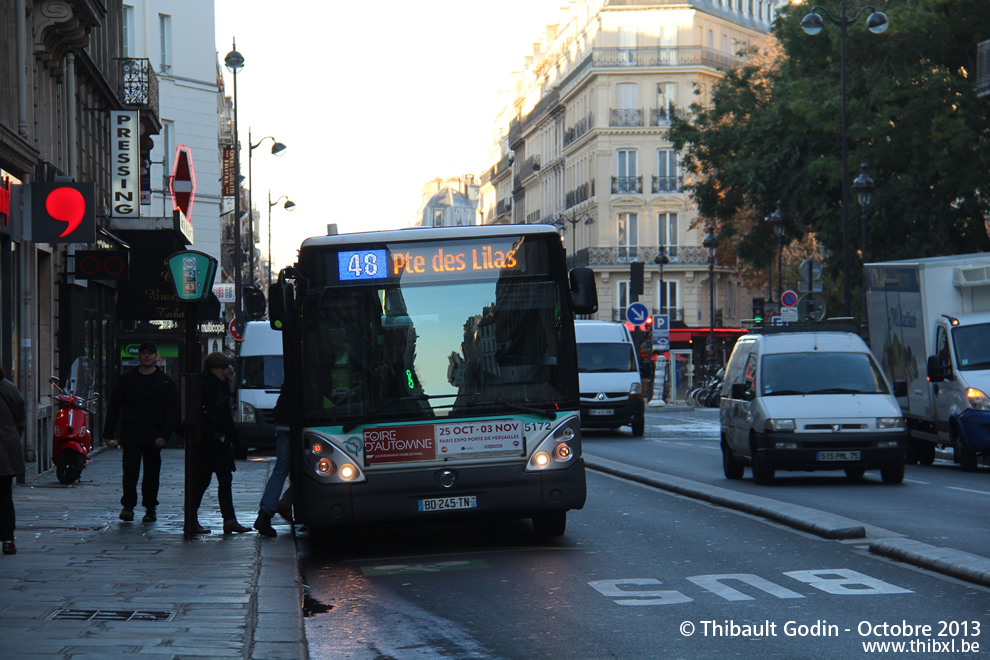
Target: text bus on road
(435, 375)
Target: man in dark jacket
(146, 403)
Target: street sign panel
(661, 322)
(637, 313)
(788, 298)
(660, 342)
(183, 181)
(789, 314)
(811, 307)
(810, 270)
(803, 286)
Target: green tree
(772, 131)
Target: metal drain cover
(110, 615)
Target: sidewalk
(84, 584)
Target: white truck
(258, 382)
(930, 326)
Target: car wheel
(762, 469)
(892, 473)
(855, 473)
(639, 425)
(731, 466)
(963, 454)
(550, 524)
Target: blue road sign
(637, 313)
(661, 342)
(661, 322)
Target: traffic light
(758, 311)
(635, 280)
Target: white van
(259, 380)
(809, 398)
(608, 372)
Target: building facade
(583, 145)
(86, 200)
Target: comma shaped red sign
(182, 185)
(66, 205)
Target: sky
(372, 100)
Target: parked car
(809, 398)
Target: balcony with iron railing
(625, 117)
(627, 185)
(660, 56)
(662, 116)
(580, 194)
(666, 184)
(680, 255)
(583, 125)
(137, 84)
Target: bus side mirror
(584, 294)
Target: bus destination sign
(430, 261)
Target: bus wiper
(784, 392)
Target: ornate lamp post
(661, 260)
(863, 185)
(277, 150)
(235, 62)
(288, 206)
(709, 244)
(779, 222)
(812, 24)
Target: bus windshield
(411, 352)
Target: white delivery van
(929, 325)
(608, 372)
(808, 398)
(258, 382)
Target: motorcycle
(71, 438)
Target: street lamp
(661, 260)
(288, 206)
(863, 185)
(277, 150)
(812, 24)
(779, 222)
(709, 243)
(235, 62)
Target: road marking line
(968, 490)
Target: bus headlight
(563, 452)
(348, 472)
(540, 460)
(779, 425)
(891, 423)
(325, 466)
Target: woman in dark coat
(216, 452)
(12, 423)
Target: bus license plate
(601, 411)
(449, 503)
(838, 455)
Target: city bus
(433, 375)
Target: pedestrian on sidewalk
(146, 403)
(270, 502)
(12, 423)
(216, 449)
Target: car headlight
(247, 413)
(977, 399)
(636, 389)
(891, 423)
(779, 425)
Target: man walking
(145, 402)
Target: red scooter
(71, 439)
